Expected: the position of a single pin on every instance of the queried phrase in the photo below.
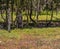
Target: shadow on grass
(40, 24)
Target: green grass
(43, 16)
(43, 32)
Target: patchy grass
(43, 32)
(30, 38)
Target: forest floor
(30, 38)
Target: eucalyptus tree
(19, 6)
(36, 8)
(31, 11)
(12, 10)
(52, 9)
(57, 5)
(2, 4)
(8, 14)
(26, 7)
(47, 9)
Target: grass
(43, 32)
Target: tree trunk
(8, 16)
(51, 13)
(9, 19)
(19, 19)
(31, 13)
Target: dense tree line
(29, 7)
